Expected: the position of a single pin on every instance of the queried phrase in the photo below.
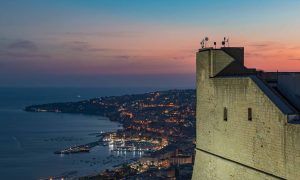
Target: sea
(28, 139)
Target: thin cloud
(267, 47)
(103, 34)
(79, 46)
(85, 46)
(24, 45)
(184, 57)
(19, 55)
(260, 45)
(105, 50)
(294, 59)
(258, 55)
(123, 57)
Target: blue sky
(92, 43)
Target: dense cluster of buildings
(160, 126)
(171, 162)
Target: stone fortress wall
(263, 147)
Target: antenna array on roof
(204, 42)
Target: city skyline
(137, 43)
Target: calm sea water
(28, 140)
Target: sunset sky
(138, 43)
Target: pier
(75, 149)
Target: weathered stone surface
(267, 147)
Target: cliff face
(252, 139)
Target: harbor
(85, 148)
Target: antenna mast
(225, 41)
(204, 42)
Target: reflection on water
(28, 140)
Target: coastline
(95, 144)
(159, 122)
